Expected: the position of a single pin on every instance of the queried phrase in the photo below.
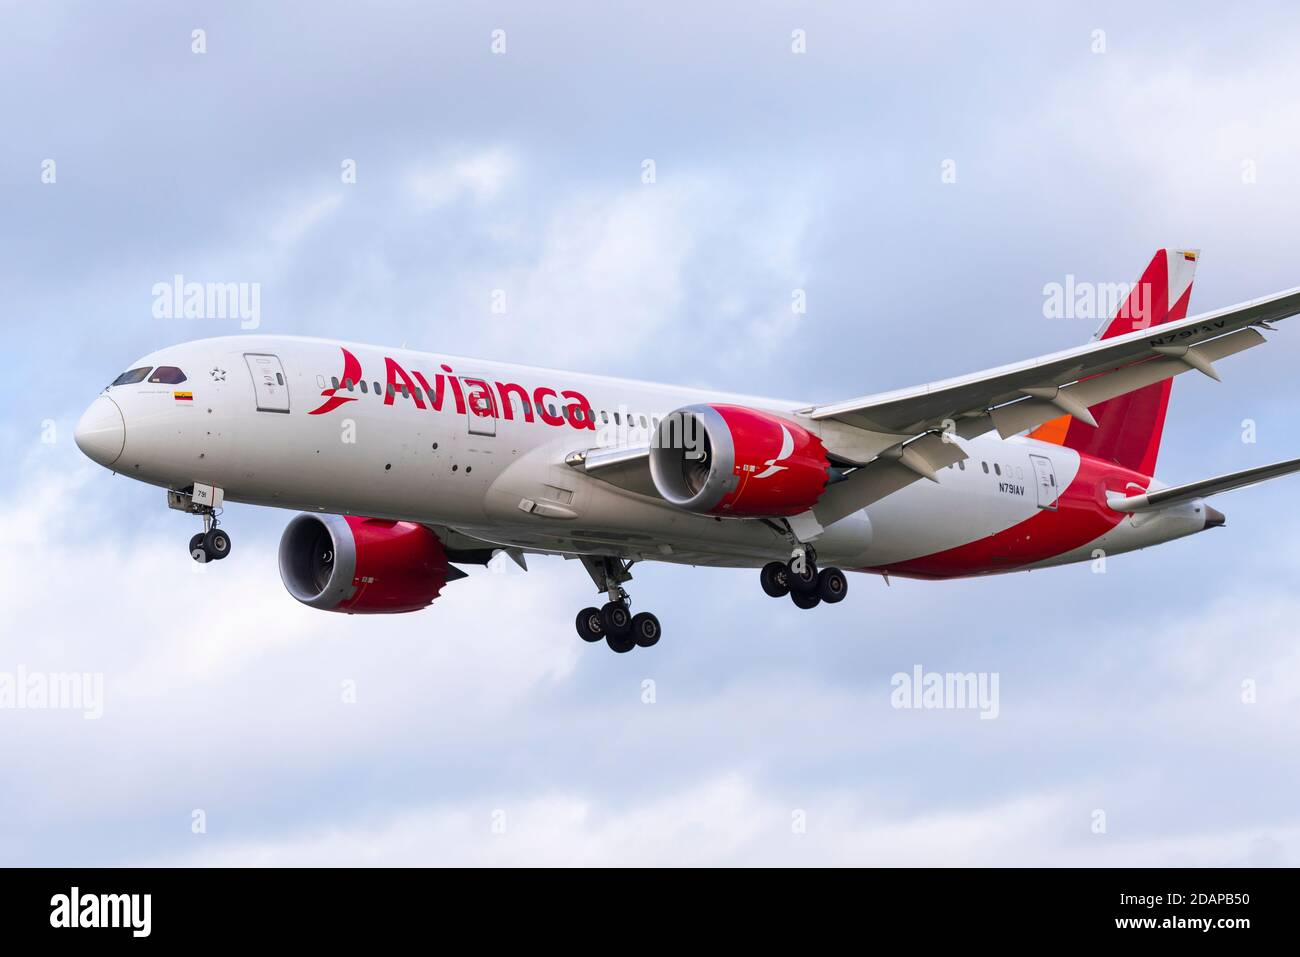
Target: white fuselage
(309, 443)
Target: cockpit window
(132, 376)
(167, 375)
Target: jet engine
(732, 460)
(365, 566)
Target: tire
(616, 619)
(590, 627)
(775, 579)
(646, 630)
(197, 551)
(621, 644)
(805, 601)
(216, 543)
(832, 586)
(803, 583)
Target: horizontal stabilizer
(1192, 490)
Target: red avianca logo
(467, 394)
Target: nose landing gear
(614, 620)
(213, 543)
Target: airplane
(406, 465)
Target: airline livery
(406, 465)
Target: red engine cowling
(362, 566)
(730, 460)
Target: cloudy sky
(922, 172)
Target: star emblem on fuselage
(218, 375)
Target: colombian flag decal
(1190, 257)
(183, 396)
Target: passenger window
(167, 375)
(986, 467)
(604, 417)
(997, 468)
(335, 381)
(132, 376)
(279, 377)
(962, 465)
(347, 384)
(378, 391)
(364, 388)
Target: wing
(1185, 493)
(1015, 397)
(900, 437)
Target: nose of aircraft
(1214, 518)
(101, 432)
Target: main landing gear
(800, 579)
(614, 620)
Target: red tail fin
(1129, 426)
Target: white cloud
(244, 674)
(688, 272)
(1172, 130)
(299, 220)
(480, 176)
(728, 820)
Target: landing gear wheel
(590, 627)
(775, 579)
(805, 601)
(621, 644)
(216, 543)
(832, 586)
(616, 619)
(804, 582)
(197, 551)
(645, 629)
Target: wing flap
(892, 470)
(1029, 413)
